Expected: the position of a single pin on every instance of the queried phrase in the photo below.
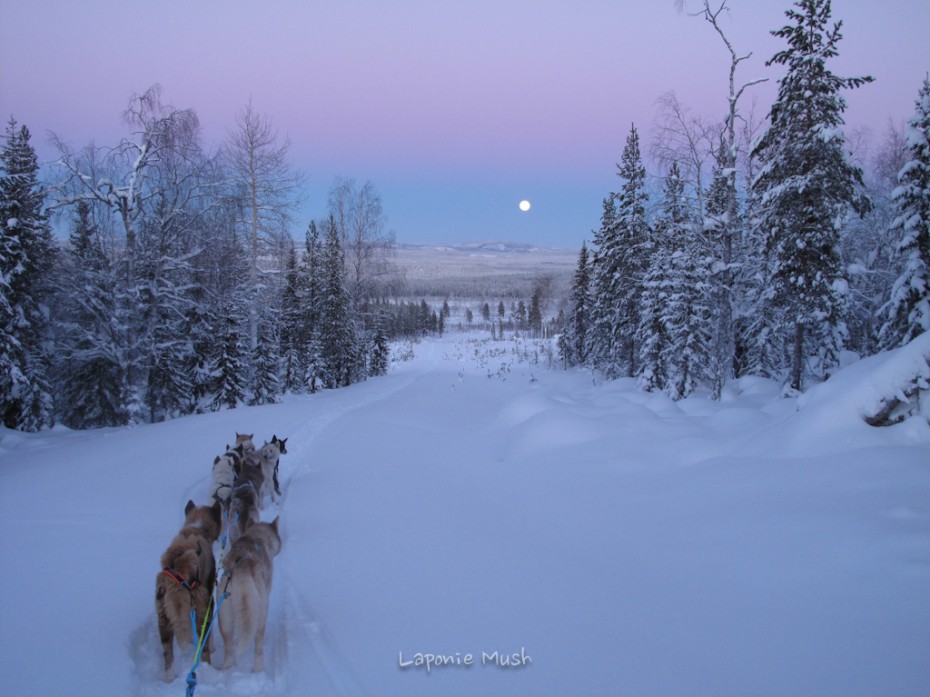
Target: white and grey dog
(248, 572)
(269, 456)
(225, 472)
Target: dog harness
(191, 585)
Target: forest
(773, 249)
(178, 280)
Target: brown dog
(186, 580)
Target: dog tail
(239, 613)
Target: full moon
(524, 205)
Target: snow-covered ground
(469, 503)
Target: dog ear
(274, 523)
(189, 506)
(281, 445)
(216, 459)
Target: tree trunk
(797, 361)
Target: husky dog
(225, 473)
(269, 455)
(243, 510)
(186, 580)
(248, 570)
(245, 440)
(251, 471)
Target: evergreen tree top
(810, 43)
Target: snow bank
(893, 383)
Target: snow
(468, 503)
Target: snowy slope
(469, 503)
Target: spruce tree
(688, 354)
(27, 254)
(293, 333)
(599, 333)
(658, 288)
(314, 369)
(380, 354)
(619, 267)
(265, 384)
(574, 342)
(534, 314)
(227, 370)
(804, 188)
(909, 309)
(88, 370)
(201, 321)
(337, 334)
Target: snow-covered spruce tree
(805, 187)
(336, 333)
(27, 254)
(534, 314)
(909, 309)
(314, 369)
(380, 354)
(689, 318)
(599, 337)
(666, 347)
(227, 369)
(309, 320)
(265, 385)
(87, 368)
(573, 343)
(618, 269)
(292, 335)
(201, 320)
(657, 286)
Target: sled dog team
(243, 477)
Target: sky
(454, 111)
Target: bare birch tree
(727, 227)
(268, 189)
(367, 244)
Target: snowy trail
(302, 643)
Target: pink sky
(455, 110)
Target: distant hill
(486, 246)
(483, 270)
